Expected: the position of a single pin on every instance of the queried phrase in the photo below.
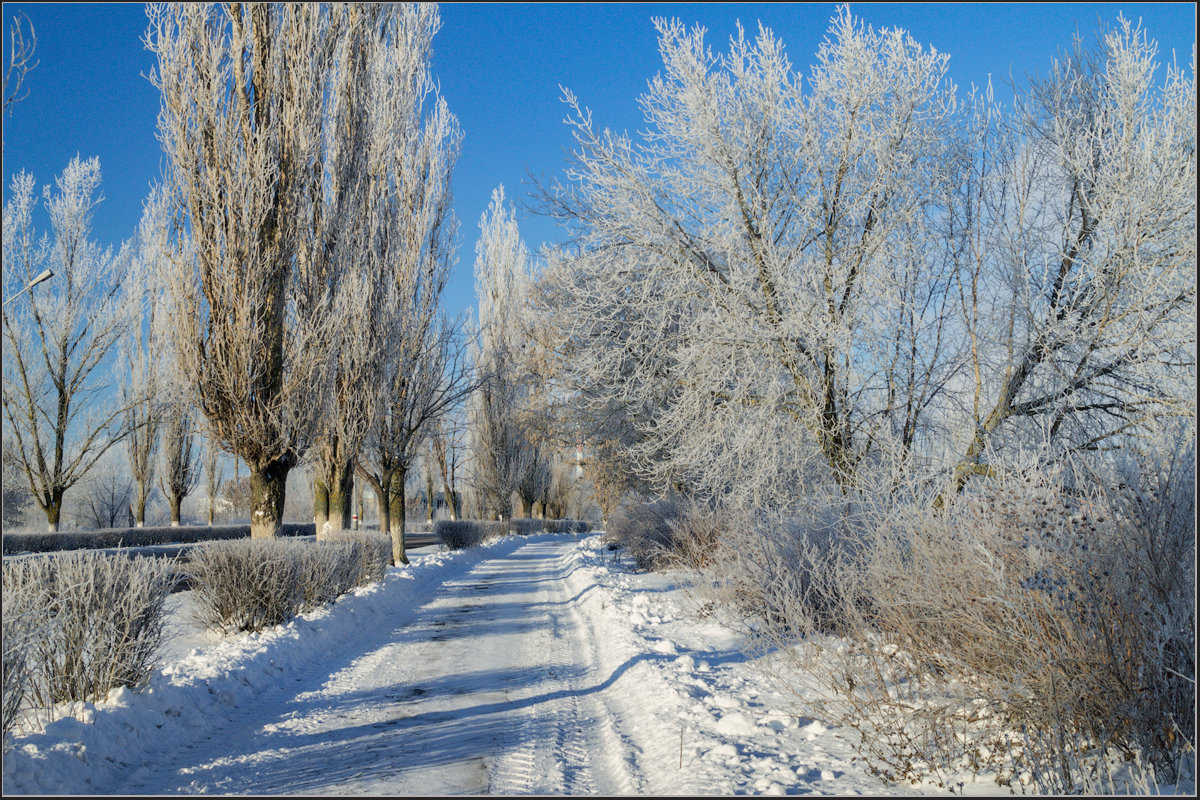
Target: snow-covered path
(489, 687)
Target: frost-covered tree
(106, 497)
(507, 457)
(246, 94)
(60, 336)
(432, 379)
(391, 152)
(747, 268)
(1078, 243)
(143, 355)
(413, 242)
(180, 467)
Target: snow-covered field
(531, 665)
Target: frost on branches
(792, 281)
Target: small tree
(180, 470)
(59, 338)
(143, 354)
(105, 499)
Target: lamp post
(45, 275)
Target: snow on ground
(531, 665)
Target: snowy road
(490, 687)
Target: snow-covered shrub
(246, 584)
(785, 574)
(101, 623)
(464, 533)
(252, 584)
(1072, 612)
(644, 531)
(525, 527)
(566, 526)
(372, 556)
(671, 533)
(696, 534)
(326, 571)
(522, 526)
(25, 621)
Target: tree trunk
(398, 554)
(320, 506)
(428, 494)
(53, 512)
(340, 495)
(176, 501)
(526, 507)
(383, 499)
(268, 485)
(139, 509)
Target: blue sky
(500, 67)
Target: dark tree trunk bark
(399, 501)
(428, 495)
(268, 486)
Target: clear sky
(500, 67)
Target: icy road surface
(531, 665)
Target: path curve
(490, 685)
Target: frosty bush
(461, 534)
(644, 530)
(249, 585)
(326, 571)
(785, 575)
(526, 527)
(98, 623)
(565, 526)
(670, 532)
(1031, 627)
(696, 534)
(372, 555)
(25, 621)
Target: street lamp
(45, 275)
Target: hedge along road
(488, 682)
(180, 552)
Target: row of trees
(858, 275)
(309, 161)
(281, 296)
